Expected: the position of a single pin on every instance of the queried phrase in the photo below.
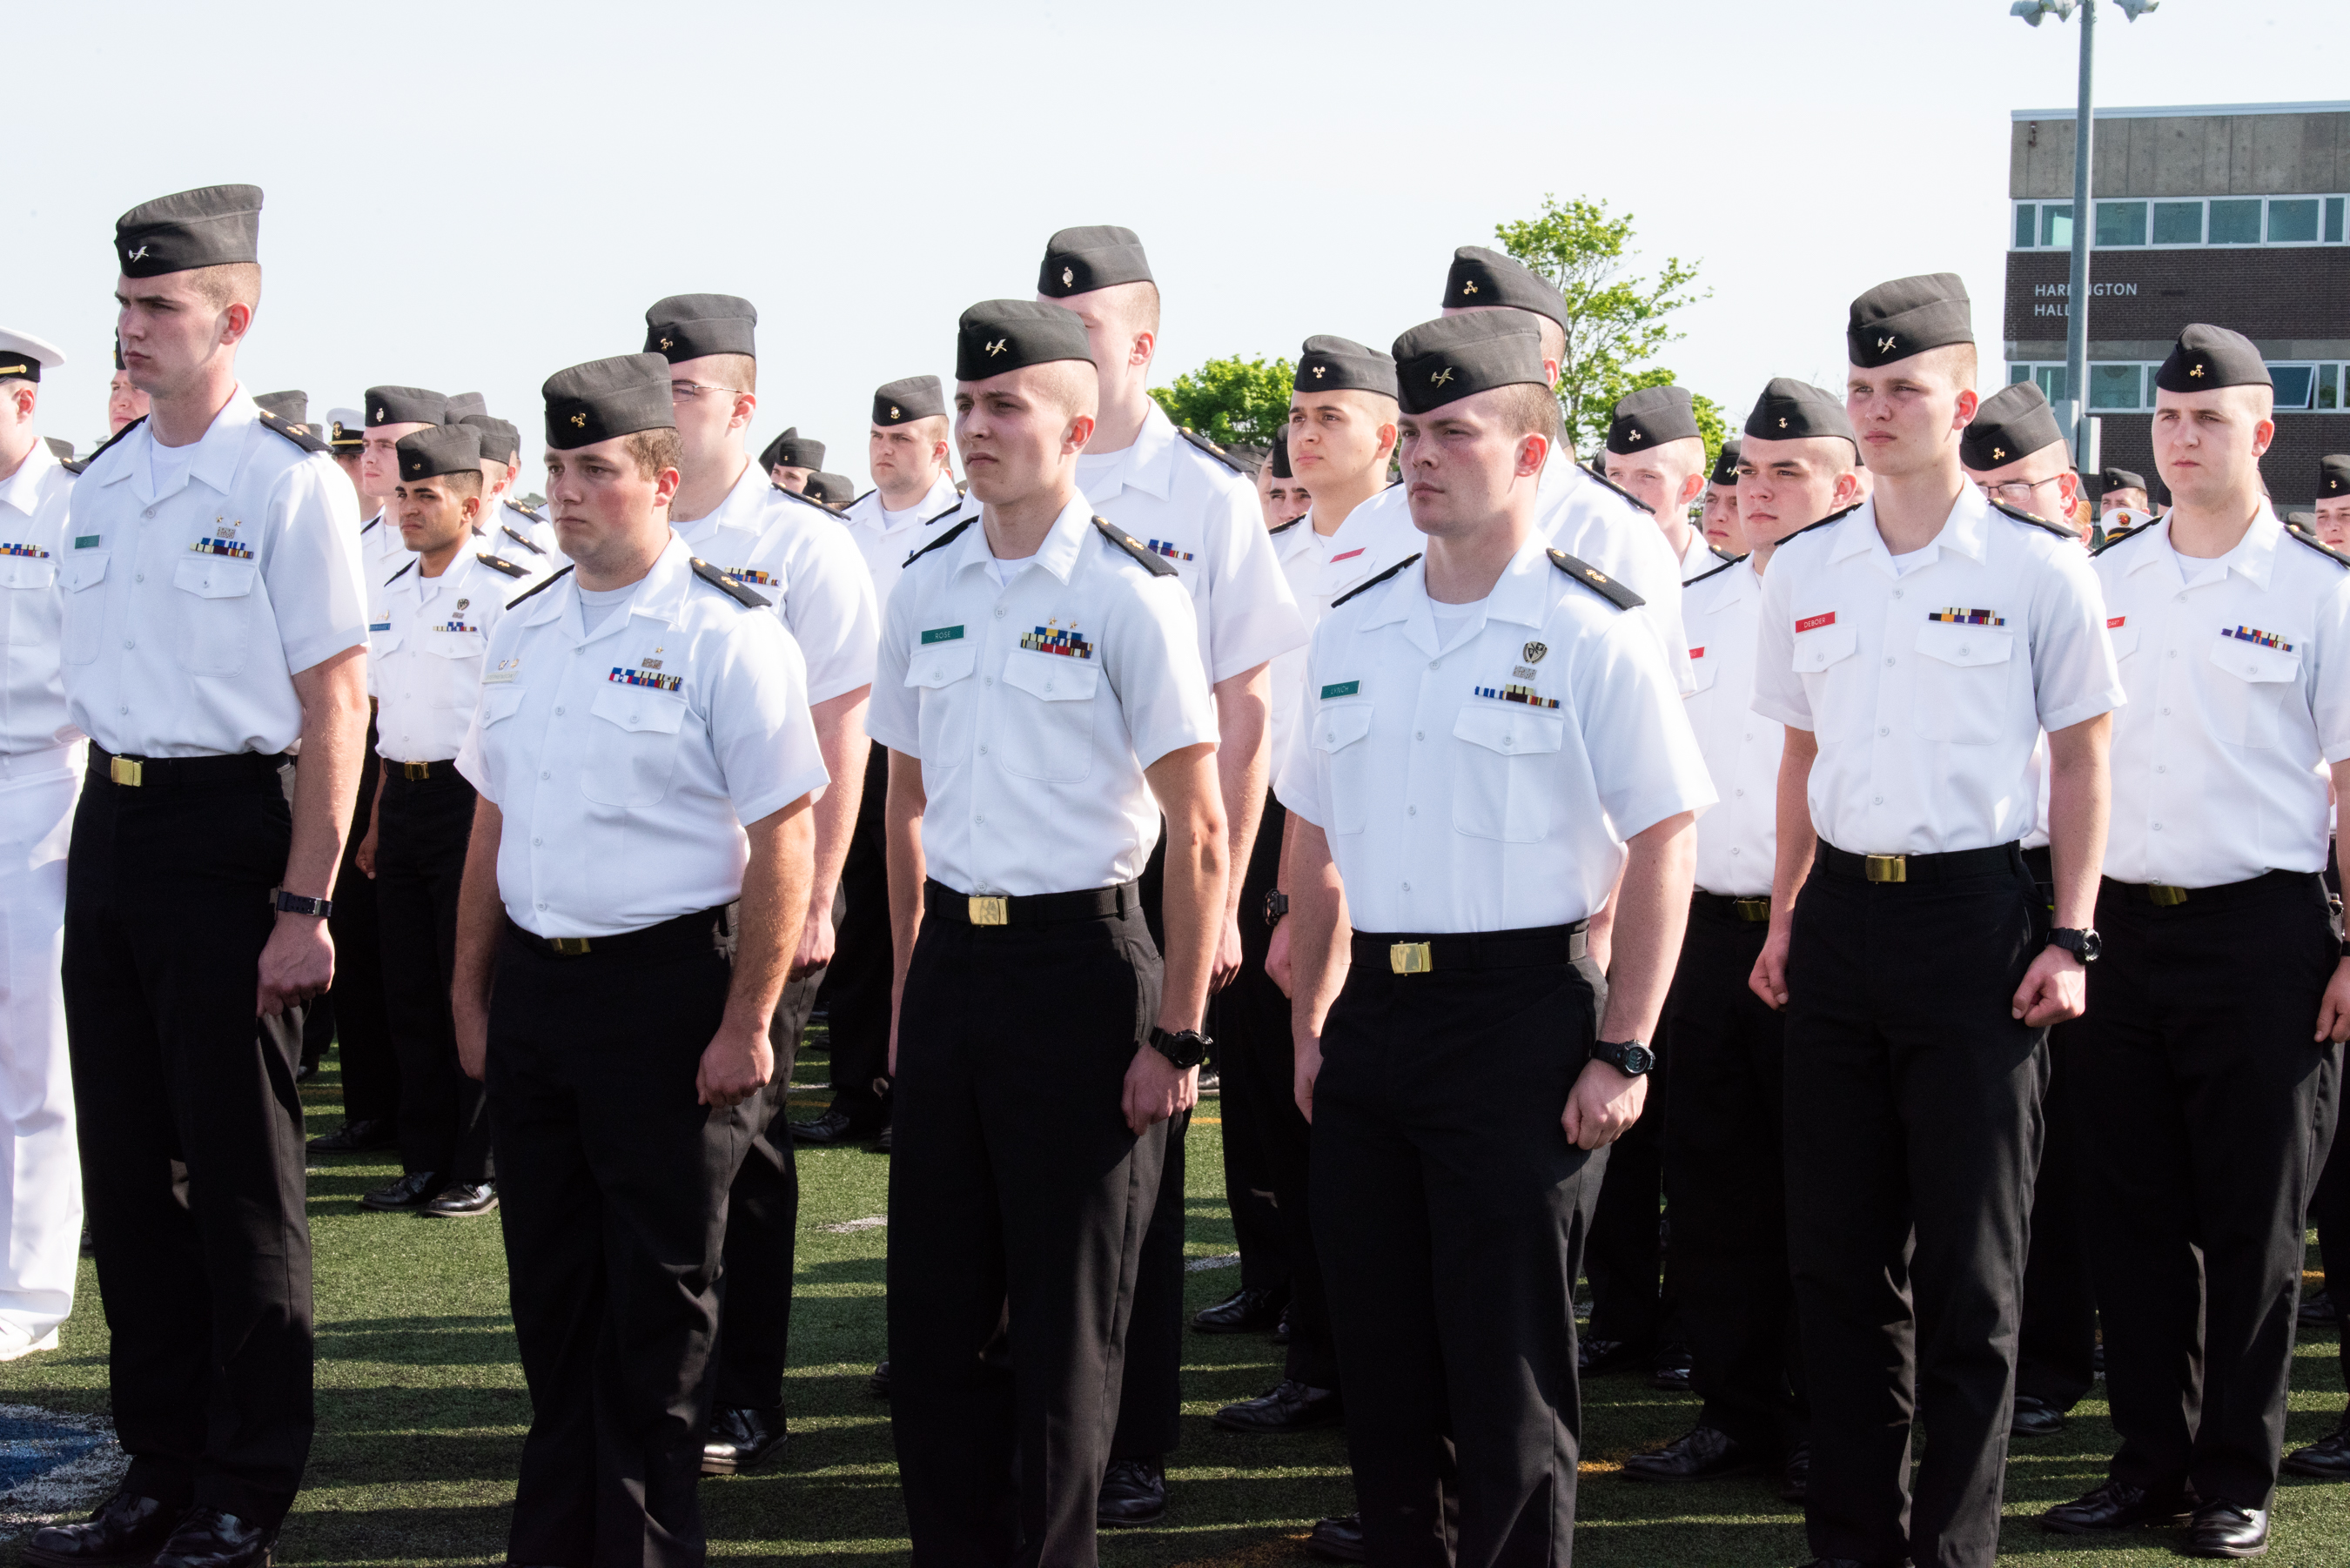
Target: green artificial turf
(421, 1412)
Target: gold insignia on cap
(1782, 421)
(893, 410)
(1320, 371)
(666, 345)
(1999, 454)
(379, 413)
(1440, 378)
(2198, 370)
(1534, 651)
(1884, 344)
(1468, 286)
(996, 346)
(580, 419)
(1068, 277)
(1633, 434)
(138, 254)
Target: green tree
(1616, 319)
(1231, 399)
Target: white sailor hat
(26, 356)
(346, 430)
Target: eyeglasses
(2015, 491)
(686, 391)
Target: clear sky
(470, 197)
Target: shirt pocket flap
(2251, 661)
(500, 702)
(637, 709)
(1510, 730)
(2124, 640)
(1964, 645)
(213, 577)
(1340, 724)
(1816, 650)
(83, 569)
(1052, 677)
(1701, 669)
(21, 572)
(942, 664)
(453, 644)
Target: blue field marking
(30, 1450)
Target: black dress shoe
(466, 1200)
(2318, 1310)
(2328, 1458)
(835, 1127)
(1134, 1491)
(1288, 1405)
(2226, 1530)
(882, 1142)
(2116, 1505)
(879, 1381)
(207, 1538)
(1593, 1357)
(1795, 1480)
(1339, 1540)
(1703, 1453)
(742, 1440)
(125, 1529)
(1281, 1329)
(1243, 1312)
(356, 1137)
(1672, 1372)
(1212, 1084)
(409, 1192)
(2034, 1418)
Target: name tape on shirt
(1342, 689)
(1064, 641)
(2114, 622)
(644, 677)
(2257, 637)
(942, 634)
(1697, 653)
(85, 541)
(379, 626)
(1814, 622)
(1525, 694)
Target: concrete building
(2230, 213)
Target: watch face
(1638, 1059)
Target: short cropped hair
(235, 283)
(739, 371)
(655, 450)
(1528, 410)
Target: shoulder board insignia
(1718, 554)
(1598, 581)
(943, 511)
(514, 505)
(796, 495)
(1364, 587)
(522, 539)
(2311, 540)
(949, 537)
(728, 586)
(962, 487)
(1727, 561)
(299, 434)
(99, 451)
(1629, 499)
(402, 573)
(1212, 450)
(497, 565)
(2037, 521)
(1831, 517)
(1285, 527)
(1154, 564)
(73, 465)
(539, 588)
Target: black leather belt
(1949, 866)
(682, 934)
(1444, 951)
(1031, 909)
(1729, 907)
(2226, 896)
(184, 773)
(420, 773)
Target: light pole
(2072, 413)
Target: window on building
(2236, 222)
(2178, 223)
(2294, 384)
(2018, 373)
(2332, 220)
(2051, 382)
(2115, 386)
(2056, 224)
(2293, 222)
(2329, 379)
(2121, 223)
(2026, 217)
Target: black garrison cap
(346, 430)
(792, 449)
(1078, 260)
(440, 448)
(500, 441)
(911, 397)
(404, 405)
(999, 335)
(2013, 422)
(832, 489)
(2120, 479)
(689, 325)
(1341, 364)
(608, 398)
(1725, 466)
(462, 403)
(1790, 409)
(216, 226)
(1280, 458)
(1453, 357)
(2334, 474)
(118, 351)
(1480, 277)
(294, 407)
(1908, 316)
(2208, 357)
(1649, 417)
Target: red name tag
(1813, 623)
(1697, 653)
(2115, 621)
(1346, 555)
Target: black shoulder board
(522, 539)
(2020, 515)
(943, 511)
(2311, 540)
(1630, 500)
(403, 572)
(1727, 561)
(517, 506)
(728, 586)
(1286, 527)
(949, 537)
(1375, 582)
(497, 565)
(1718, 554)
(1212, 450)
(804, 500)
(962, 487)
(299, 434)
(1831, 517)
(99, 450)
(1598, 581)
(1154, 564)
(73, 465)
(2115, 541)
(538, 588)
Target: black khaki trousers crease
(1629, 1302)
(1249, 1020)
(1912, 1133)
(2056, 1354)
(1149, 1410)
(1724, 1164)
(355, 1002)
(2329, 1212)
(1449, 1211)
(855, 989)
(613, 1180)
(1018, 1200)
(2215, 1110)
(191, 1134)
(424, 826)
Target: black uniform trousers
(1724, 1164)
(1249, 1020)
(2056, 1354)
(422, 828)
(1626, 1255)
(614, 1181)
(356, 1003)
(190, 1130)
(2214, 1113)
(2329, 1212)
(855, 990)
(1017, 1203)
(1912, 1133)
(1449, 1208)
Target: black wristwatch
(1276, 905)
(1629, 1057)
(2085, 945)
(1186, 1048)
(302, 904)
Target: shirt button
(1733, 848)
(999, 612)
(2174, 653)
(1897, 593)
(2162, 768)
(1739, 793)
(979, 820)
(1407, 887)
(1411, 811)
(547, 775)
(2157, 827)
(1888, 659)
(982, 751)
(138, 576)
(1416, 734)
(987, 681)
(125, 711)
(558, 712)
(1962, 650)
(129, 643)
(1507, 742)
(537, 843)
(1881, 800)
(1884, 730)
(542, 903)
(2165, 713)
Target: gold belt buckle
(2165, 895)
(1751, 908)
(126, 771)
(417, 770)
(990, 912)
(1411, 958)
(1889, 867)
(570, 947)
